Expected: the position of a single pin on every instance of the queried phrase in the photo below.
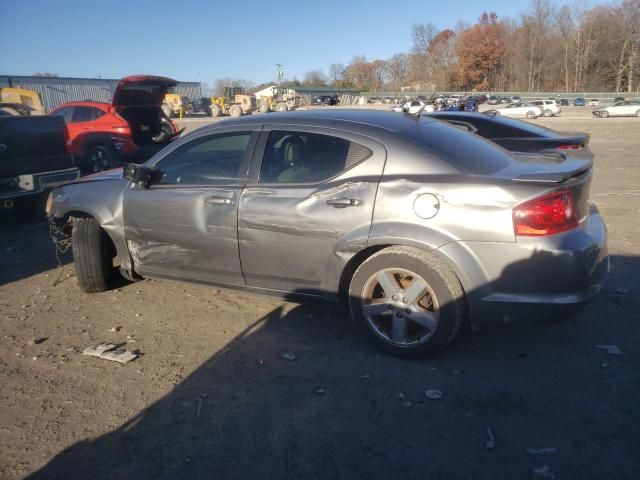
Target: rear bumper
(538, 276)
(33, 184)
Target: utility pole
(279, 72)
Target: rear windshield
(461, 149)
(501, 127)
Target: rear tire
(441, 304)
(264, 107)
(91, 256)
(638, 113)
(235, 111)
(531, 115)
(281, 107)
(548, 113)
(604, 114)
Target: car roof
(84, 104)
(386, 120)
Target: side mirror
(141, 175)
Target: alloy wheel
(400, 307)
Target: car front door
(307, 208)
(185, 224)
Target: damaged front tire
(92, 256)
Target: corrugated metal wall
(58, 90)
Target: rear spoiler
(551, 177)
(552, 167)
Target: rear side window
(83, 114)
(501, 127)
(301, 157)
(459, 148)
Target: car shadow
(333, 407)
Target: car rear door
(185, 225)
(307, 207)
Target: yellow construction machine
(234, 102)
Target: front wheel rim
(400, 307)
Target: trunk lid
(571, 170)
(141, 91)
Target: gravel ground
(211, 396)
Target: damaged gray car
(414, 224)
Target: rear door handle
(217, 201)
(343, 202)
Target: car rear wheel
(638, 113)
(604, 114)
(531, 114)
(548, 113)
(406, 301)
(91, 255)
(99, 158)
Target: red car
(131, 128)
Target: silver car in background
(416, 225)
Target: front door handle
(343, 202)
(217, 201)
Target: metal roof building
(58, 90)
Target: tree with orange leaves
(480, 50)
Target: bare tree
(398, 70)
(336, 73)
(220, 84)
(631, 16)
(315, 77)
(422, 35)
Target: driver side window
(206, 160)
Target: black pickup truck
(34, 158)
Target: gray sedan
(414, 224)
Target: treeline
(550, 47)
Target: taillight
(576, 146)
(546, 215)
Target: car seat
(294, 152)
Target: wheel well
(353, 264)
(67, 227)
(357, 260)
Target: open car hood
(141, 91)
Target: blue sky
(203, 40)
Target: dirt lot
(212, 398)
